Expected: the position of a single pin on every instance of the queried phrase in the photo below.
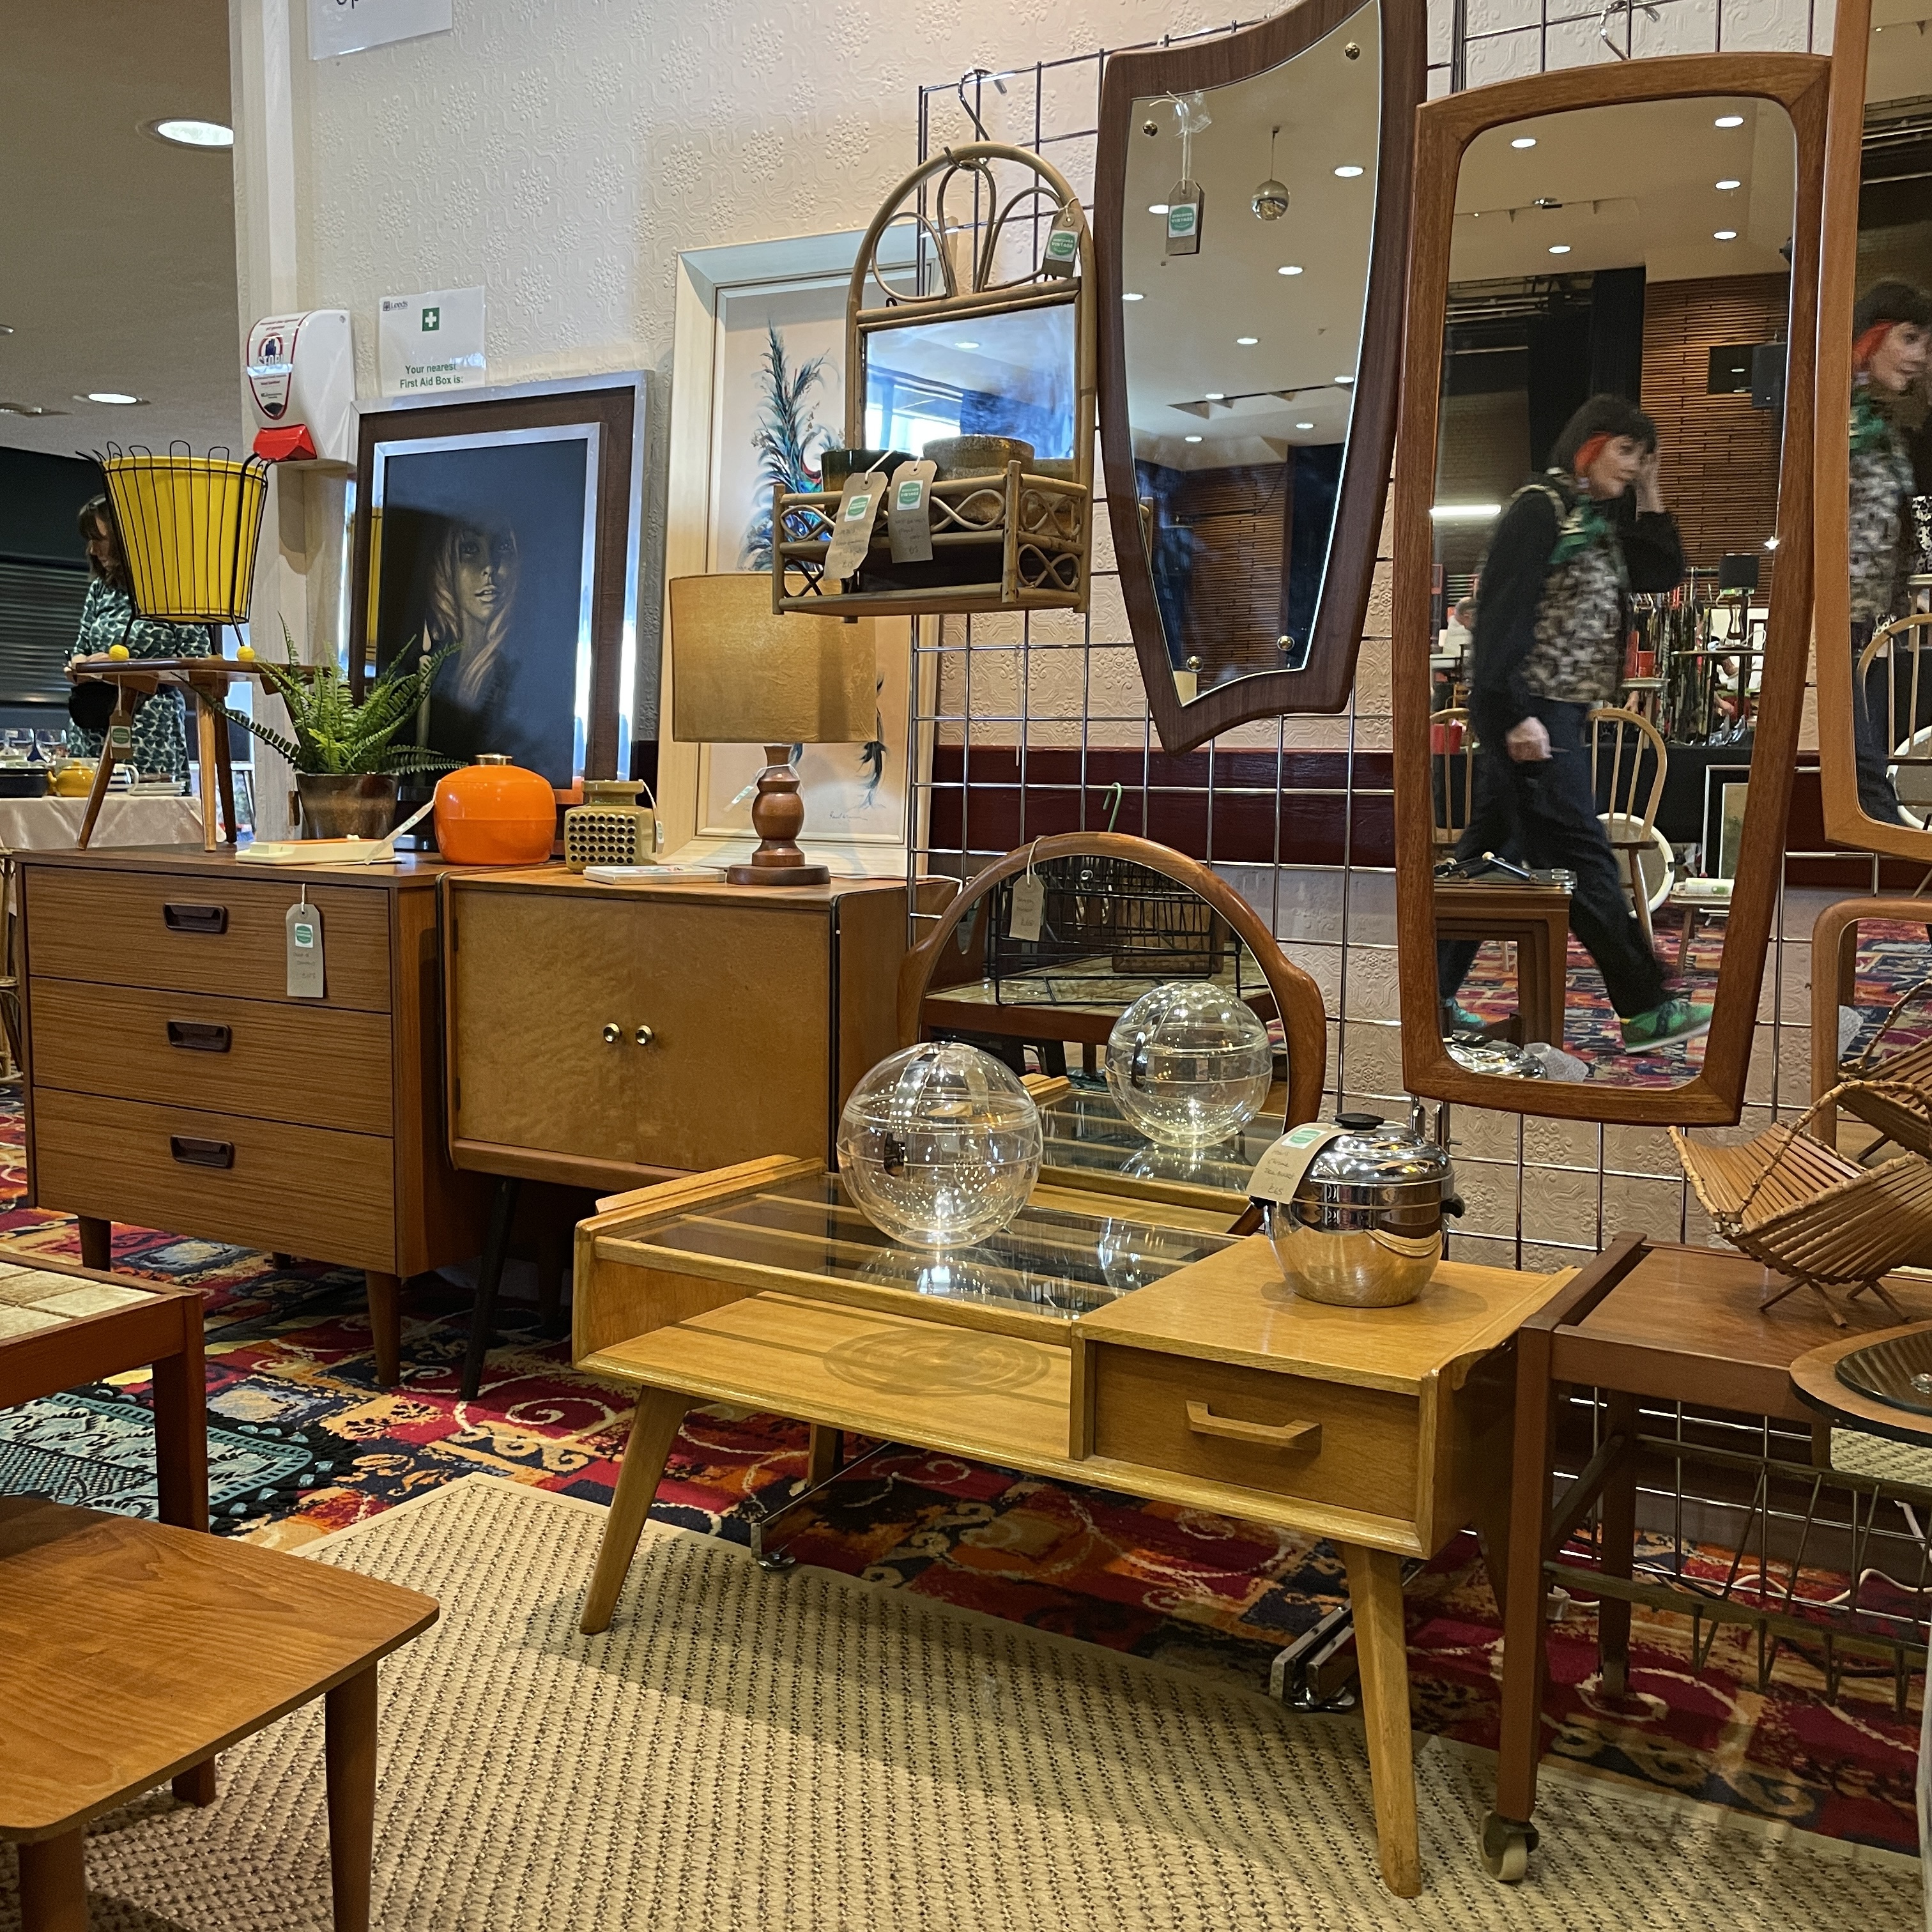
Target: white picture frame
(859, 810)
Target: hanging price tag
(1061, 256)
(306, 980)
(1183, 219)
(909, 513)
(852, 527)
(1029, 909)
(1279, 1171)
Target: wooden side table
(77, 1585)
(1536, 918)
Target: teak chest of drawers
(172, 1082)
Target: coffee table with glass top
(1100, 1338)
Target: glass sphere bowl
(939, 1146)
(1188, 1063)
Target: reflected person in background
(1551, 619)
(1891, 343)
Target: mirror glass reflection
(1891, 456)
(1008, 374)
(1248, 215)
(1606, 504)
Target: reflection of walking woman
(1550, 624)
(473, 592)
(107, 618)
(1891, 334)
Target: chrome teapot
(1361, 1225)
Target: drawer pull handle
(1203, 1421)
(200, 1035)
(195, 918)
(191, 1153)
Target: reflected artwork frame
(1797, 83)
(1323, 682)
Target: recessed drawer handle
(201, 1154)
(1203, 1421)
(195, 918)
(200, 1035)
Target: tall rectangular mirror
(1250, 202)
(1874, 440)
(1602, 579)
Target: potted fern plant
(345, 754)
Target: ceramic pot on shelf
(494, 813)
(346, 804)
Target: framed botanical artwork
(757, 394)
(503, 525)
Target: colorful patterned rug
(303, 1442)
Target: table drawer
(306, 1191)
(189, 934)
(324, 1068)
(1175, 1412)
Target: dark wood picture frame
(1323, 684)
(616, 404)
(1846, 822)
(1797, 83)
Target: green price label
(908, 496)
(304, 933)
(1181, 218)
(857, 509)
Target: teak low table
(1537, 919)
(110, 1683)
(1096, 1340)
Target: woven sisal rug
(811, 1754)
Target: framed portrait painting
(757, 394)
(502, 525)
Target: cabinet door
(739, 1001)
(539, 977)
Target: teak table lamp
(742, 674)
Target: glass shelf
(1085, 1133)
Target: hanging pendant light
(1270, 201)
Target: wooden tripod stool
(209, 1640)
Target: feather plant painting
(788, 441)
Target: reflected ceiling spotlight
(1190, 439)
(1307, 425)
(1270, 200)
(1724, 234)
(1289, 268)
(1524, 141)
(1729, 121)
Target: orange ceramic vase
(494, 813)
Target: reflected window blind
(39, 618)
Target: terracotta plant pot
(352, 804)
(494, 813)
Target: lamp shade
(188, 527)
(743, 674)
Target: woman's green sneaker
(1664, 1025)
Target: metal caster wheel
(1507, 1846)
(775, 1562)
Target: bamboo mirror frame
(1445, 128)
(1325, 682)
(1846, 820)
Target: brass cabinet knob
(645, 1036)
(613, 1033)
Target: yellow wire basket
(188, 526)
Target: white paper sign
(431, 342)
(347, 26)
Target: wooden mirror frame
(1845, 821)
(1325, 681)
(1796, 83)
(1297, 999)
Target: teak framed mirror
(1624, 260)
(1874, 567)
(1248, 330)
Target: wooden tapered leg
(495, 1251)
(97, 1242)
(553, 1259)
(102, 771)
(825, 1453)
(653, 1430)
(1374, 1596)
(1617, 1550)
(53, 1884)
(195, 1785)
(205, 759)
(181, 1427)
(386, 1324)
(224, 772)
(349, 1750)
(1520, 1743)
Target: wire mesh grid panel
(1039, 723)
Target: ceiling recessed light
(1524, 141)
(1291, 268)
(965, 345)
(1131, 295)
(1348, 171)
(1723, 234)
(1157, 207)
(109, 396)
(1464, 513)
(1345, 380)
(1190, 439)
(14, 409)
(1304, 425)
(179, 131)
(1729, 121)
(1728, 185)
(4, 329)
(1217, 395)
(1246, 341)
(1559, 248)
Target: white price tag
(852, 525)
(909, 513)
(1029, 908)
(1279, 1171)
(306, 980)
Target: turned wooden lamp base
(778, 817)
